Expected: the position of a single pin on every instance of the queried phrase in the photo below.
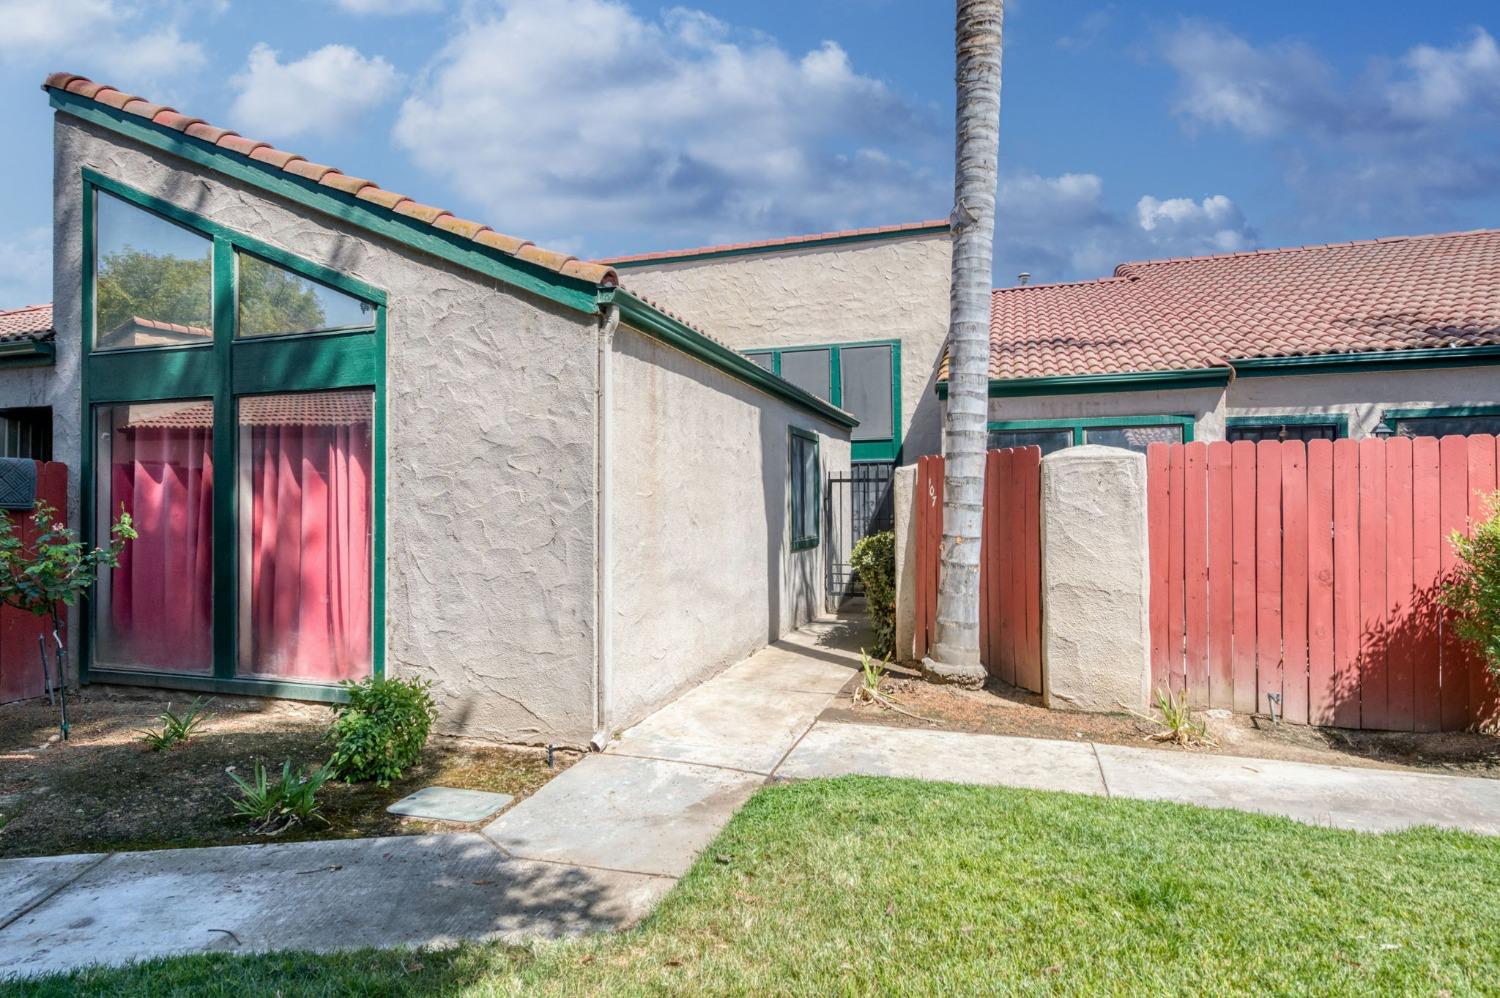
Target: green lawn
(867, 885)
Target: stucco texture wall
(490, 451)
(873, 290)
(703, 572)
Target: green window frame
(1390, 417)
(1081, 424)
(1338, 420)
(225, 370)
(800, 487)
(859, 450)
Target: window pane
(154, 282)
(1133, 437)
(866, 376)
(762, 358)
(155, 611)
(1282, 431)
(808, 370)
(1047, 440)
(1442, 426)
(305, 535)
(275, 302)
(805, 481)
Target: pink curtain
(310, 552)
(161, 595)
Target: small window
(1135, 438)
(808, 370)
(276, 302)
(153, 280)
(1273, 430)
(805, 484)
(763, 358)
(866, 376)
(1047, 440)
(1442, 426)
(26, 432)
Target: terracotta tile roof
(30, 322)
(327, 176)
(310, 409)
(784, 242)
(1403, 293)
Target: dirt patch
(1000, 709)
(102, 791)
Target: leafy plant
(175, 727)
(1472, 592)
(874, 558)
(871, 672)
(1177, 724)
(381, 730)
(273, 806)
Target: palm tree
(955, 657)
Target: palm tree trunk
(955, 657)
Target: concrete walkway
(597, 847)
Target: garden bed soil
(1001, 709)
(103, 791)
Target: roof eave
(28, 353)
(788, 246)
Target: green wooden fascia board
(1090, 384)
(578, 295)
(1338, 420)
(646, 318)
(720, 254)
(28, 353)
(1390, 416)
(1354, 363)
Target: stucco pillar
(904, 482)
(1095, 637)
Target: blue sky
(1128, 130)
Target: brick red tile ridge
(331, 177)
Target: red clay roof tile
(263, 152)
(30, 322)
(1399, 293)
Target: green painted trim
(28, 353)
(1354, 363)
(225, 370)
(1091, 384)
(650, 320)
(859, 450)
(314, 692)
(570, 292)
(720, 254)
(1390, 416)
(1082, 423)
(803, 542)
(1339, 420)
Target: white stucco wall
(879, 289)
(703, 573)
(490, 451)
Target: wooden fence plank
(1242, 475)
(1003, 598)
(1176, 568)
(1453, 474)
(1195, 564)
(1294, 585)
(1158, 460)
(1013, 597)
(1320, 615)
(1400, 616)
(1481, 448)
(1425, 647)
(1267, 571)
(1344, 693)
(1372, 607)
(1031, 674)
(988, 546)
(1220, 579)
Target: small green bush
(382, 729)
(874, 559)
(176, 728)
(274, 806)
(1473, 591)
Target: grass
(859, 886)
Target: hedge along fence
(1010, 566)
(1312, 572)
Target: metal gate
(854, 506)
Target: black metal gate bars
(854, 506)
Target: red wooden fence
(1312, 571)
(20, 662)
(1010, 567)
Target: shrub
(1473, 591)
(382, 729)
(176, 728)
(273, 807)
(874, 559)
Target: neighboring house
(1345, 340)
(27, 392)
(360, 436)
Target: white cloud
(26, 267)
(125, 44)
(585, 118)
(1444, 83)
(326, 89)
(388, 7)
(1212, 225)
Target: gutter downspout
(609, 321)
